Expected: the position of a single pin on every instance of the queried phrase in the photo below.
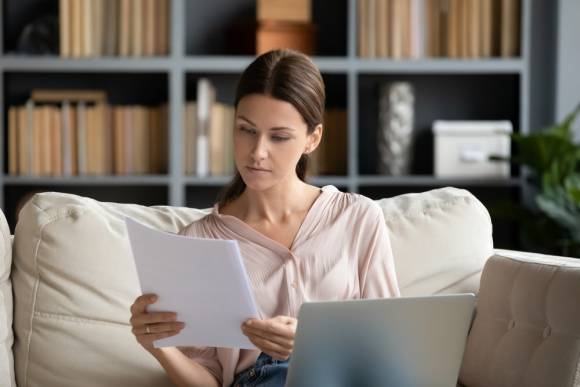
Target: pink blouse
(341, 251)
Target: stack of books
(64, 133)
(402, 29)
(94, 28)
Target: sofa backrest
(526, 331)
(6, 336)
(74, 278)
(441, 240)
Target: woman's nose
(260, 150)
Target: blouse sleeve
(377, 276)
(207, 357)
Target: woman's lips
(257, 170)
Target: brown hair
(289, 76)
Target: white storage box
(463, 148)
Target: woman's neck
(276, 204)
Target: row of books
(86, 139)
(330, 158)
(94, 28)
(402, 29)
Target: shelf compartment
(437, 96)
(211, 30)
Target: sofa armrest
(526, 330)
(6, 308)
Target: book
(67, 139)
(56, 151)
(510, 28)
(284, 10)
(418, 28)
(398, 25)
(372, 28)
(81, 138)
(486, 10)
(164, 137)
(217, 140)
(190, 137)
(162, 41)
(98, 15)
(150, 30)
(76, 28)
(363, 15)
(383, 24)
(13, 140)
(206, 96)
(433, 26)
(24, 142)
(111, 26)
(64, 10)
(137, 28)
(87, 29)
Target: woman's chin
(258, 183)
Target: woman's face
(270, 136)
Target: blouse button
(294, 284)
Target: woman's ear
(314, 139)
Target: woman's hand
(148, 327)
(274, 336)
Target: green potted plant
(553, 159)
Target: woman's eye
(278, 138)
(248, 130)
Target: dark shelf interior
(437, 96)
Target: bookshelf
(199, 47)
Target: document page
(203, 280)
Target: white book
(205, 101)
(418, 28)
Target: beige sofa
(69, 270)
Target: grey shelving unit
(351, 81)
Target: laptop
(397, 342)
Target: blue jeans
(267, 372)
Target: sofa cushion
(526, 331)
(6, 336)
(74, 280)
(440, 239)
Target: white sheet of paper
(203, 280)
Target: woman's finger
(271, 326)
(158, 328)
(283, 341)
(141, 303)
(153, 318)
(269, 345)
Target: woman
(299, 243)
